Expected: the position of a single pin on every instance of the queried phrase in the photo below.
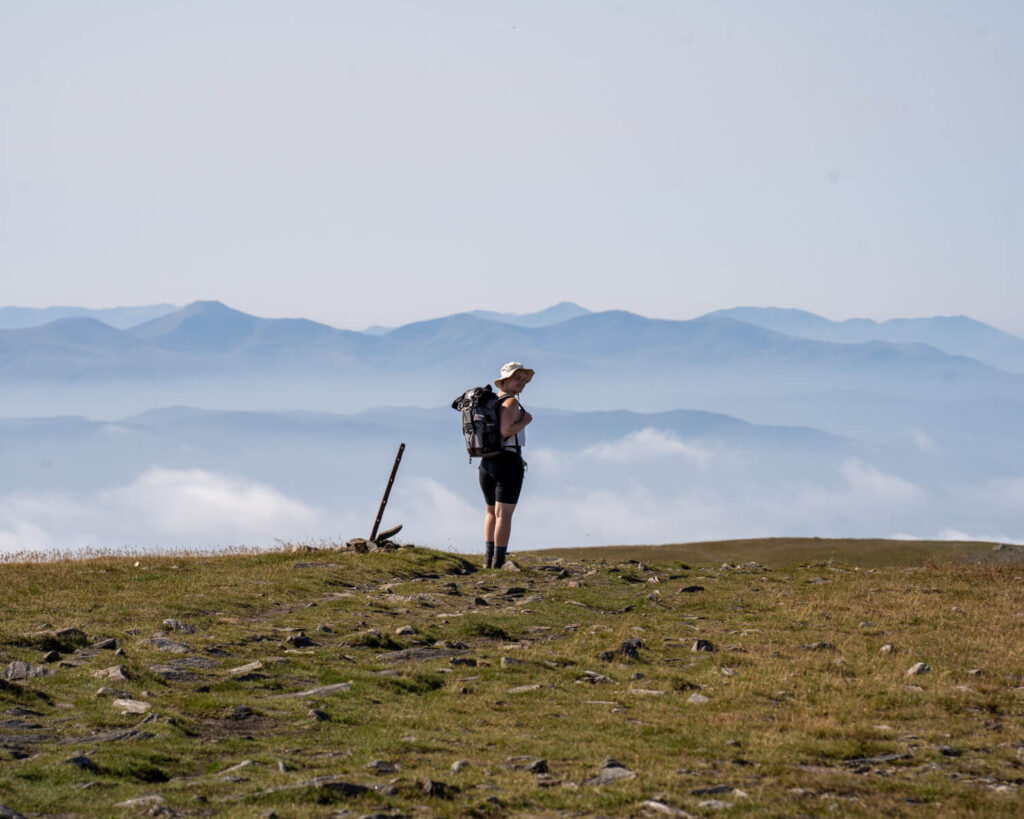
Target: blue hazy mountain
(957, 335)
(12, 318)
(211, 355)
(542, 318)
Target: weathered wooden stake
(387, 492)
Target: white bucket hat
(510, 369)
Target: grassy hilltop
(413, 683)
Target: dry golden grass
(804, 714)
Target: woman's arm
(513, 418)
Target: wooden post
(387, 492)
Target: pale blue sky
(380, 162)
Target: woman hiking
(501, 475)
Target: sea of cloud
(649, 486)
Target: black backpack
(481, 420)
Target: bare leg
(503, 514)
(489, 523)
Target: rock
(419, 653)
(702, 645)
(593, 678)
(129, 706)
(697, 699)
(819, 646)
(242, 712)
(917, 668)
(532, 764)
(171, 673)
(179, 625)
(654, 806)
(106, 644)
(459, 765)
(319, 691)
(691, 590)
(300, 640)
(405, 631)
(718, 804)
(451, 588)
(241, 766)
(50, 657)
(141, 802)
(317, 715)
(166, 644)
(508, 662)
(106, 691)
(522, 689)
(382, 767)
(949, 750)
(441, 790)
(886, 649)
(611, 770)
(9, 813)
(387, 534)
(24, 671)
(81, 762)
(479, 601)
(246, 670)
(711, 790)
(975, 672)
(631, 648)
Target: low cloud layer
(160, 508)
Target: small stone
(283, 766)
(663, 809)
(697, 699)
(479, 601)
(107, 644)
(692, 589)
(323, 628)
(130, 706)
(9, 813)
(886, 649)
(51, 656)
(179, 625)
(141, 801)
(511, 566)
(508, 662)
(115, 672)
(166, 644)
(611, 770)
(917, 668)
(819, 646)
(716, 804)
(702, 645)
(950, 750)
(459, 765)
(593, 678)
(405, 630)
(241, 766)
(975, 672)
(82, 762)
(106, 691)
(382, 767)
(317, 715)
(522, 689)
(451, 588)
(24, 671)
(241, 712)
(300, 640)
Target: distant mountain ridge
(612, 351)
(14, 318)
(957, 335)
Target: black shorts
(501, 477)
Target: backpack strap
(501, 403)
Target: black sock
(499, 556)
(489, 549)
